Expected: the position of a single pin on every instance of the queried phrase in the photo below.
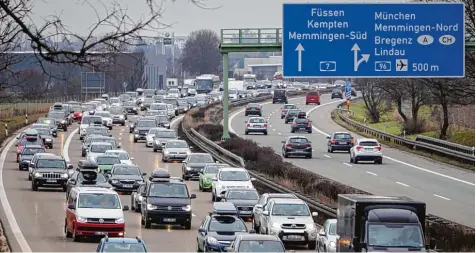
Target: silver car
(106, 118)
(327, 237)
(96, 149)
(149, 138)
(262, 206)
(136, 198)
(175, 150)
(256, 125)
(162, 136)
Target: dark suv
(280, 96)
(142, 128)
(297, 146)
(125, 178)
(301, 124)
(290, 115)
(166, 201)
(50, 171)
(337, 93)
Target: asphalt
(448, 191)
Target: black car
(60, 119)
(253, 109)
(163, 121)
(296, 146)
(131, 108)
(125, 178)
(301, 124)
(142, 128)
(244, 200)
(82, 177)
(280, 96)
(340, 141)
(337, 93)
(290, 115)
(51, 123)
(194, 163)
(166, 201)
(132, 123)
(50, 171)
(45, 135)
(27, 154)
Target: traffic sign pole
(374, 40)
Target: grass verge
(8, 111)
(449, 236)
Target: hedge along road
(37, 218)
(447, 190)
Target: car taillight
(266, 125)
(249, 125)
(248, 108)
(359, 148)
(308, 124)
(378, 148)
(257, 108)
(308, 145)
(351, 141)
(294, 123)
(283, 110)
(288, 145)
(333, 141)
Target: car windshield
(100, 178)
(200, 159)
(103, 114)
(257, 120)
(394, 235)
(173, 91)
(170, 101)
(123, 247)
(168, 190)
(336, 91)
(114, 100)
(31, 141)
(100, 148)
(333, 228)
(146, 123)
(43, 131)
(232, 91)
(121, 155)
(32, 151)
(200, 98)
(368, 143)
(301, 120)
(176, 144)
(99, 131)
(261, 246)
(166, 134)
(125, 170)
(87, 107)
(89, 120)
(227, 224)
(312, 93)
(290, 106)
(110, 141)
(153, 131)
(298, 140)
(158, 107)
(290, 210)
(129, 104)
(107, 160)
(76, 109)
(99, 200)
(148, 100)
(212, 169)
(234, 176)
(237, 194)
(115, 110)
(182, 102)
(51, 164)
(152, 113)
(293, 112)
(56, 115)
(342, 136)
(253, 105)
(191, 99)
(163, 119)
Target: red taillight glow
(248, 108)
(308, 145)
(288, 145)
(359, 148)
(333, 141)
(257, 108)
(294, 123)
(351, 141)
(378, 148)
(266, 125)
(308, 124)
(249, 125)
(283, 110)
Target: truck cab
(377, 223)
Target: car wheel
(110, 128)
(246, 132)
(255, 226)
(65, 129)
(75, 237)
(213, 196)
(123, 124)
(309, 156)
(319, 103)
(135, 140)
(188, 225)
(285, 155)
(351, 160)
(355, 160)
(155, 150)
(310, 132)
(147, 224)
(246, 114)
(311, 246)
(331, 150)
(34, 187)
(51, 146)
(65, 188)
(66, 232)
(292, 131)
(266, 133)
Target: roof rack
(159, 173)
(224, 208)
(166, 179)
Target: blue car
(340, 141)
(121, 245)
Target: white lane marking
(6, 205)
(280, 133)
(347, 164)
(274, 129)
(67, 143)
(120, 138)
(270, 126)
(327, 156)
(193, 215)
(400, 183)
(371, 173)
(393, 159)
(441, 197)
(120, 133)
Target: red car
(313, 97)
(30, 137)
(77, 112)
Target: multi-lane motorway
(447, 190)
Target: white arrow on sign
(365, 57)
(299, 49)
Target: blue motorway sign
(373, 40)
(348, 90)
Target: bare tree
(373, 97)
(32, 84)
(200, 54)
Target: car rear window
(289, 106)
(253, 105)
(301, 120)
(368, 143)
(342, 136)
(257, 121)
(336, 91)
(298, 140)
(313, 93)
(293, 111)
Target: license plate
(51, 180)
(127, 186)
(302, 128)
(100, 233)
(169, 220)
(226, 248)
(257, 126)
(342, 143)
(245, 212)
(294, 237)
(369, 149)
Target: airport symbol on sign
(402, 64)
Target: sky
(182, 15)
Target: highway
(447, 190)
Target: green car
(105, 162)
(207, 174)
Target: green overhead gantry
(244, 40)
(259, 40)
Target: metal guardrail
(446, 144)
(445, 151)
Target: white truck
(172, 83)
(250, 81)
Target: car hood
(177, 149)
(26, 157)
(200, 165)
(292, 219)
(128, 162)
(225, 236)
(106, 118)
(94, 155)
(125, 177)
(242, 202)
(83, 126)
(164, 140)
(117, 115)
(99, 213)
(168, 201)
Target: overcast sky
(182, 14)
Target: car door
(72, 181)
(71, 213)
(257, 211)
(321, 240)
(265, 218)
(201, 236)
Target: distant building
(264, 67)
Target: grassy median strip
(264, 160)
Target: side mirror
(193, 196)
(71, 206)
(253, 179)
(322, 233)
(132, 158)
(110, 135)
(144, 174)
(202, 230)
(125, 208)
(70, 167)
(283, 142)
(258, 206)
(119, 146)
(190, 147)
(265, 213)
(314, 214)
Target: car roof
(341, 133)
(258, 237)
(369, 140)
(297, 137)
(281, 195)
(88, 189)
(107, 155)
(116, 151)
(40, 124)
(55, 157)
(232, 169)
(288, 201)
(199, 154)
(255, 118)
(34, 146)
(45, 154)
(122, 240)
(101, 143)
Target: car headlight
(119, 220)
(37, 174)
(47, 139)
(188, 168)
(310, 226)
(63, 121)
(187, 208)
(136, 131)
(151, 207)
(115, 181)
(64, 175)
(212, 240)
(134, 109)
(188, 152)
(166, 152)
(81, 219)
(157, 141)
(139, 198)
(332, 245)
(121, 116)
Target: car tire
(65, 129)
(310, 132)
(200, 186)
(265, 133)
(65, 188)
(331, 150)
(138, 209)
(130, 131)
(66, 232)
(155, 150)
(188, 225)
(319, 103)
(213, 197)
(110, 128)
(285, 155)
(309, 156)
(133, 206)
(379, 161)
(282, 117)
(285, 122)
(311, 246)
(123, 124)
(29, 176)
(34, 187)
(135, 140)
(83, 155)
(246, 132)
(355, 160)
(246, 114)
(292, 131)
(75, 238)
(51, 146)
(351, 160)
(147, 224)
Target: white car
(256, 125)
(149, 138)
(230, 178)
(366, 150)
(96, 149)
(85, 122)
(122, 154)
(115, 102)
(106, 118)
(233, 94)
(173, 93)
